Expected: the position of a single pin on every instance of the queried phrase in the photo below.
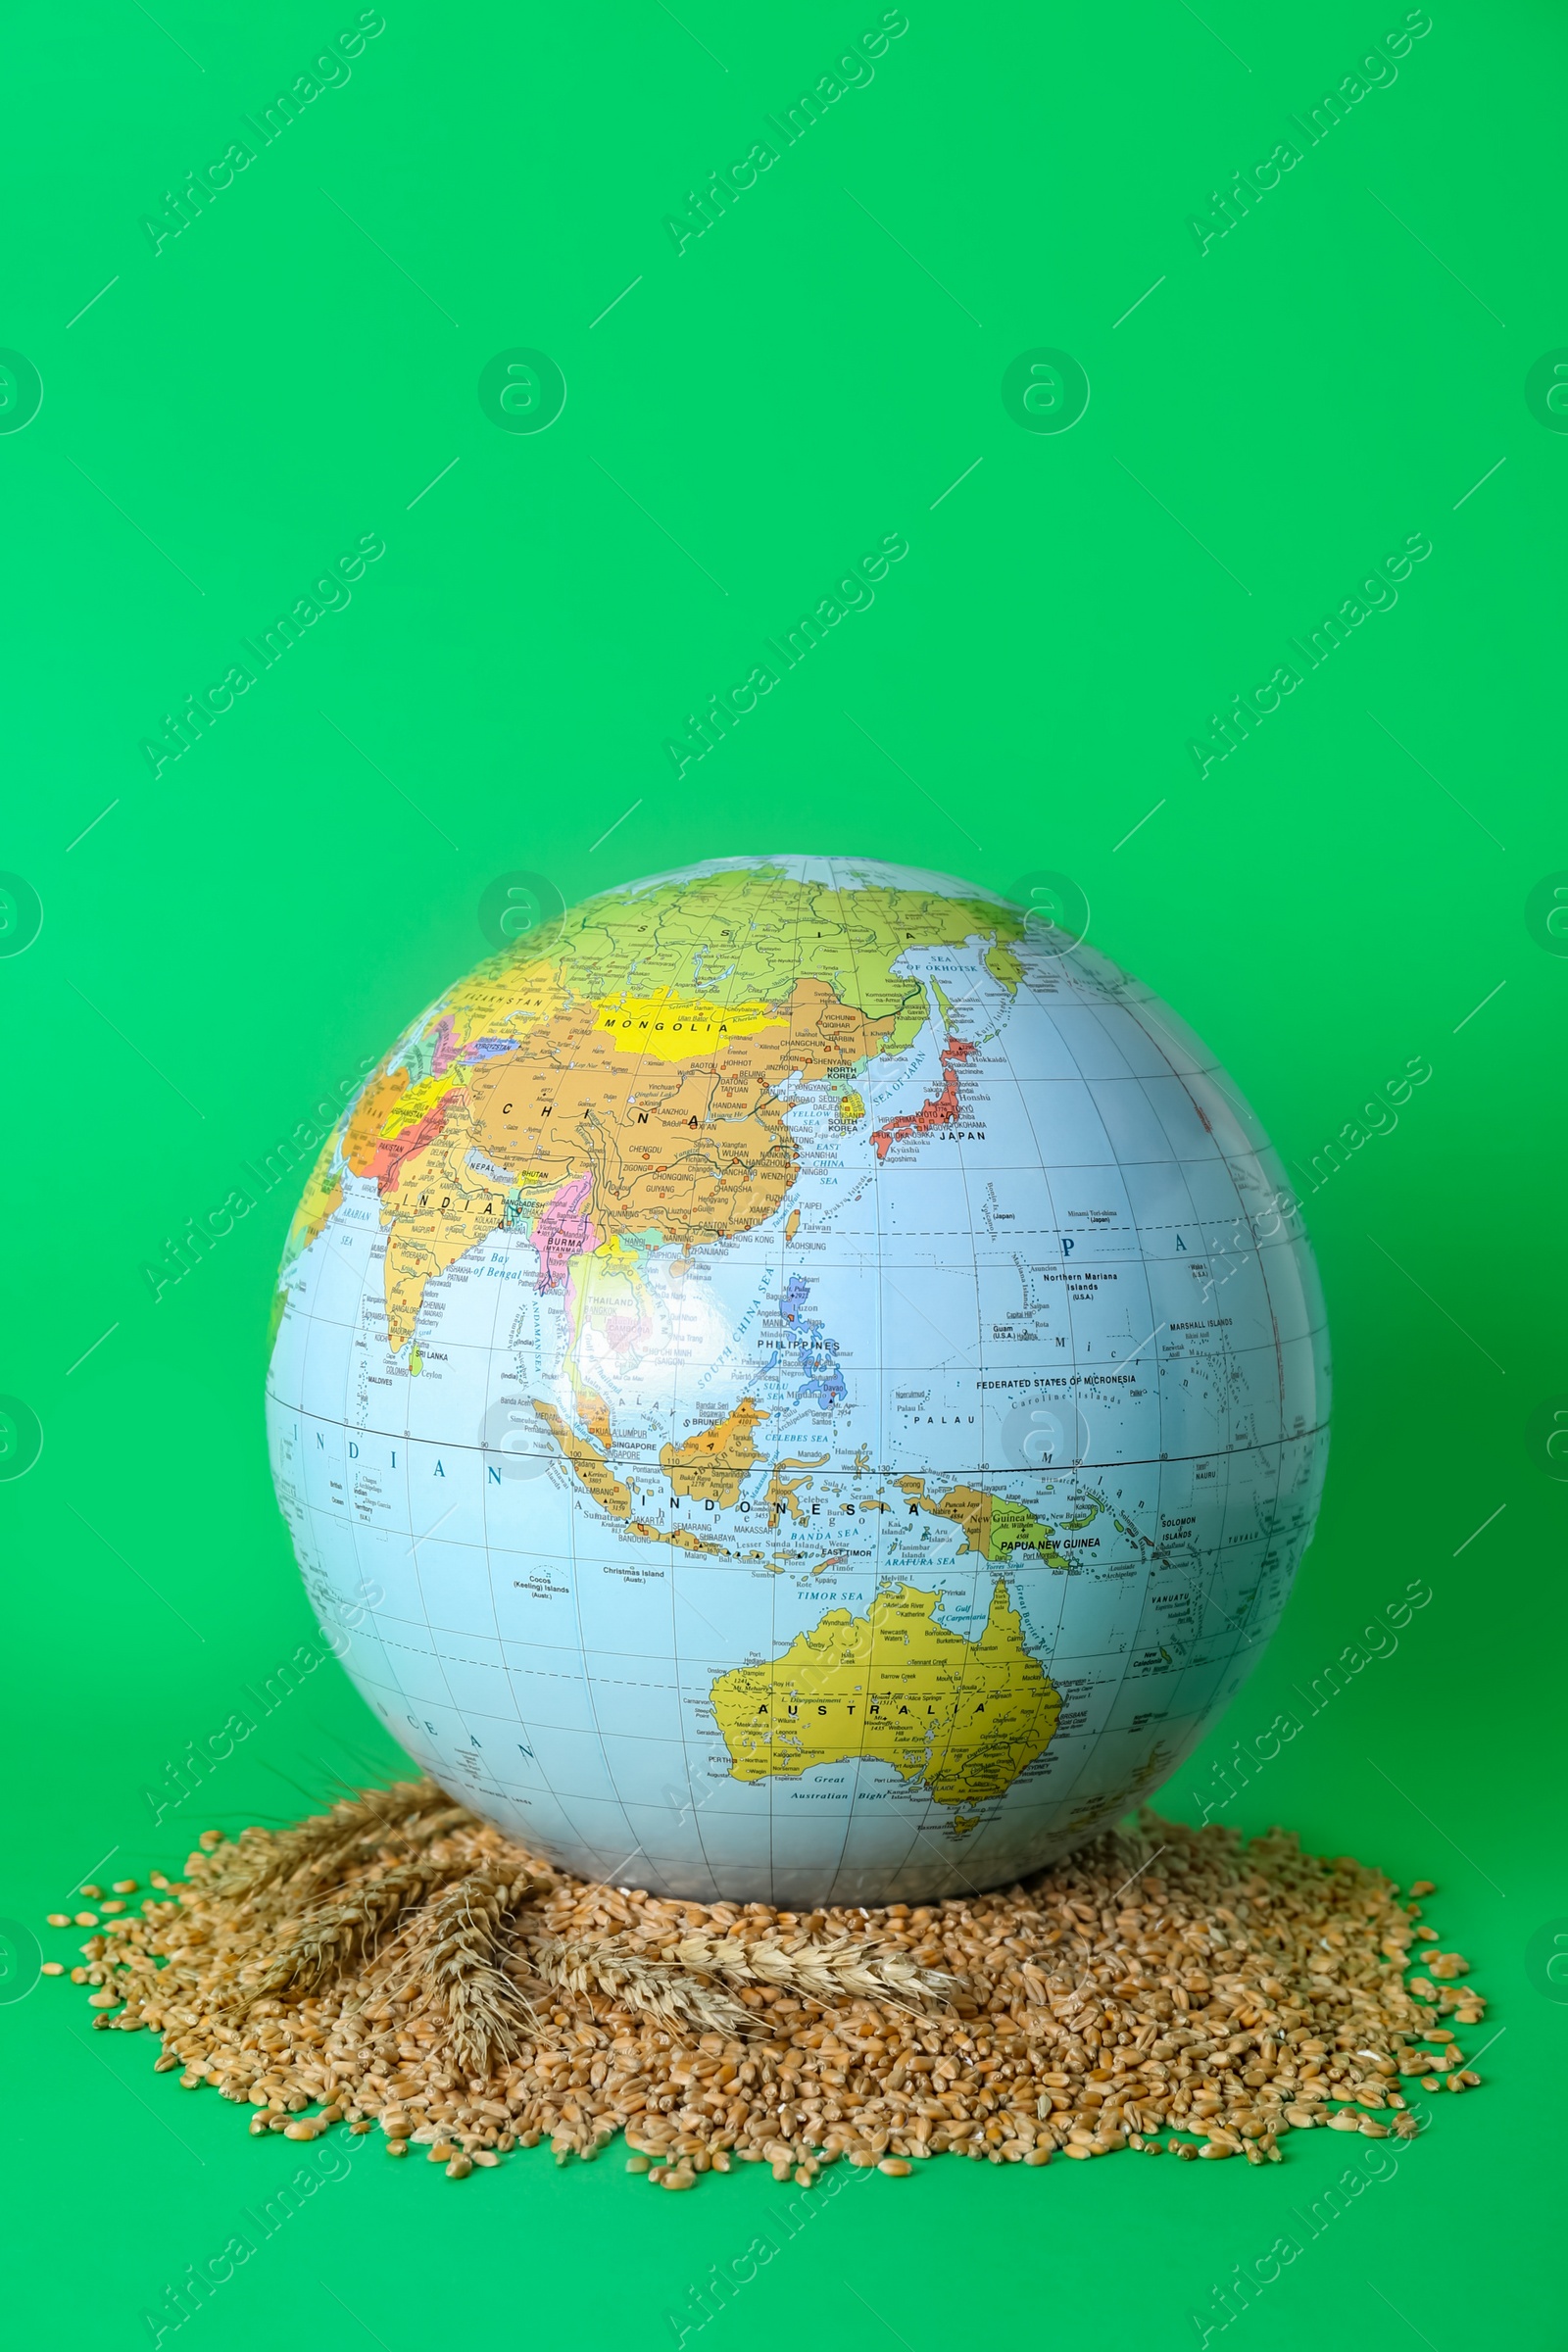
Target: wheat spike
(609, 1965)
(822, 1971)
(408, 1814)
(325, 1941)
(450, 1950)
(672, 1982)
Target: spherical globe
(799, 1380)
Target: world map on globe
(799, 1380)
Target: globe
(799, 1380)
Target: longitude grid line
(707, 1861)
(1158, 1467)
(1200, 1595)
(675, 1565)
(637, 1846)
(1073, 1350)
(364, 1283)
(917, 1829)
(576, 1582)
(1065, 1039)
(415, 1542)
(969, 1659)
(1039, 1170)
(833, 887)
(860, 1760)
(581, 1796)
(1227, 1455)
(920, 1835)
(395, 1669)
(574, 1577)
(492, 1356)
(1261, 1255)
(774, 1581)
(505, 1668)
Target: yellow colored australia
(896, 1687)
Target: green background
(224, 942)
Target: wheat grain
(396, 1959)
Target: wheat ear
(824, 1973)
(411, 1813)
(450, 1948)
(326, 1941)
(670, 1984)
(607, 1964)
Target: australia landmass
(895, 1687)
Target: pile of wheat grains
(396, 1962)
